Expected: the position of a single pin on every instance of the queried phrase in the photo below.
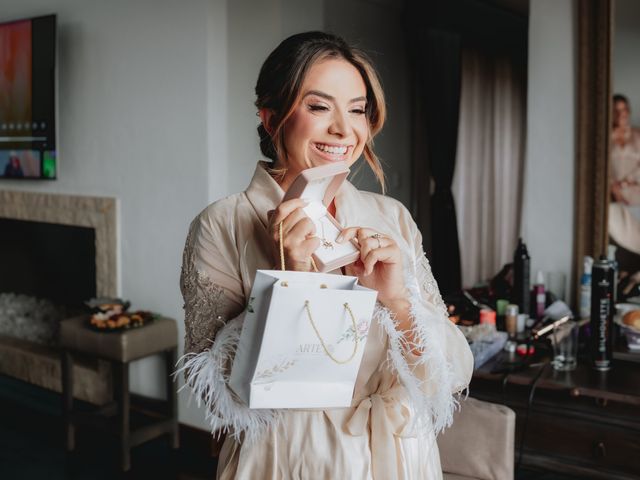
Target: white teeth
(333, 150)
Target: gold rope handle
(282, 265)
(324, 346)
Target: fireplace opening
(48, 261)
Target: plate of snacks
(111, 315)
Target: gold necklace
(325, 243)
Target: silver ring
(377, 236)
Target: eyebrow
(332, 99)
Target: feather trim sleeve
(213, 321)
(444, 367)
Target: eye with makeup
(318, 108)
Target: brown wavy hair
(280, 82)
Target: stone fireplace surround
(36, 363)
(98, 213)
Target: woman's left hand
(380, 264)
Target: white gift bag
(302, 340)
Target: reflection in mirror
(624, 172)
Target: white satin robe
(400, 400)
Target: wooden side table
(120, 348)
(581, 422)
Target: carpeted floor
(31, 446)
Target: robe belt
(388, 416)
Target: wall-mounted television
(27, 98)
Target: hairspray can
(521, 295)
(601, 341)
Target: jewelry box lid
(318, 184)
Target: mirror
(593, 127)
(624, 161)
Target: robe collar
(265, 194)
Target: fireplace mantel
(98, 213)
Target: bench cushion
(123, 346)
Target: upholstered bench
(120, 348)
(480, 444)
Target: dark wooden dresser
(582, 422)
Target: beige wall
(548, 218)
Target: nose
(339, 124)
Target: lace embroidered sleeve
(455, 348)
(210, 285)
(428, 283)
(214, 306)
(204, 303)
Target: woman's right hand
(616, 193)
(299, 234)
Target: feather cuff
(432, 399)
(207, 375)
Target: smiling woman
(320, 102)
(330, 93)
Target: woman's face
(621, 114)
(329, 123)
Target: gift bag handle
(324, 346)
(308, 309)
(282, 265)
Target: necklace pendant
(327, 244)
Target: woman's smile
(331, 151)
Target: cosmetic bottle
(521, 265)
(539, 295)
(585, 287)
(601, 341)
(511, 320)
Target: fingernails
(339, 238)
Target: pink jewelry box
(318, 186)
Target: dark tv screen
(27, 99)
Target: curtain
(439, 76)
(487, 185)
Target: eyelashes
(323, 108)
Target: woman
(625, 155)
(624, 209)
(320, 101)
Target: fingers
(298, 256)
(384, 255)
(291, 221)
(288, 213)
(372, 241)
(286, 208)
(300, 231)
(354, 232)
(368, 239)
(374, 248)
